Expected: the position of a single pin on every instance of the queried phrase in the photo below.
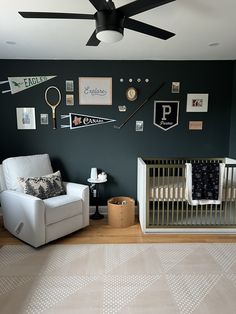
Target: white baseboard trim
(104, 210)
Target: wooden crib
(163, 207)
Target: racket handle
(54, 125)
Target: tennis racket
(53, 106)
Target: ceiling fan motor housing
(109, 21)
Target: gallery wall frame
(139, 126)
(195, 125)
(44, 118)
(175, 87)
(197, 103)
(25, 118)
(70, 100)
(95, 90)
(122, 108)
(69, 86)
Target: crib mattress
(173, 189)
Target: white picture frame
(139, 126)
(25, 118)
(197, 103)
(95, 90)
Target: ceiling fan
(111, 21)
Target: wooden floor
(100, 232)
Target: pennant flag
(82, 121)
(18, 84)
(166, 114)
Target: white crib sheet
(167, 188)
(173, 189)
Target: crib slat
(168, 197)
(210, 222)
(154, 196)
(158, 191)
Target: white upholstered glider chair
(37, 206)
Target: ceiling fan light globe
(109, 36)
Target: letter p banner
(166, 114)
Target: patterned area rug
(118, 278)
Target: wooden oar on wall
(145, 101)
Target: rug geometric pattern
(189, 290)
(53, 290)
(121, 290)
(195, 278)
(224, 254)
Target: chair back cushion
(25, 166)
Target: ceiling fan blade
(55, 15)
(147, 29)
(93, 41)
(139, 6)
(101, 5)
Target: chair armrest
(77, 189)
(24, 216)
(81, 191)
(19, 195)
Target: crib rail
(167, 207)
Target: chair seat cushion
(62, 207)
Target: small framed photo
(25, 118)
(175, 87)
(195, 125)
(69, 86)
(197, 103)
(139, 126)
(70, 100)
(122, 108)
(43, 118)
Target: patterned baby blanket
(204, 183)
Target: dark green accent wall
(116, 151)
(233, 119)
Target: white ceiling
(197, 23)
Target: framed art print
(197, 103)
(95, 91)
(25, 118)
